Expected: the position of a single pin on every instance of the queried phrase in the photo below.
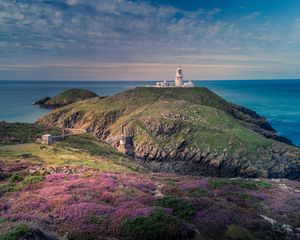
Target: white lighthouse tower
(178, 81)
(179, 77)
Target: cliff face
(189, 131)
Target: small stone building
(47, 139)
(126, 145)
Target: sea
(277, 100)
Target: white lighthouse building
(179, 77)
(178, 81)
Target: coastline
(280, 106)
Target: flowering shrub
(79, 214)
(213, 220)
(134, 206)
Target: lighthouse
(178, 81)
(179, 77)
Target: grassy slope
(81, 151)
(204, 127)
(22, 132)
(122, 203)
(141, 97)
(71, 96)
(211, 126)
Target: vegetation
(243, 183)
(90, 145)
(20, 231)
(16, 133)
(180, 207)
(67, 97)
(81, 151)
(194, 115)
(235, 232)
(84, 187)
(157, 225)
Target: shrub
(2, 176)
(9, 187)
(94, 219)
(235, 232)
(32, 179)
(2, 220)
(242, 183)
(25, 155)
(264, 184)
(15, 178)
(90, 145)
(20, 231)
(200, 192)
(180, 207)
(217, 182)
(157, 225)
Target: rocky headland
(188, 131)
(65, 98)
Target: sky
(148, 39)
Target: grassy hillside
(67, 97)
(82, 188)
(75, 189)
(15, 133)
(186, 130)
(81, 152)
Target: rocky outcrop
(257, 123)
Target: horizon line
(127, 80)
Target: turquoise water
(277, 100)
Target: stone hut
(126, 146)
(47, 139)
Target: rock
(42, 101)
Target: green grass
(70, 96)
(235, 232)
(97, 219)
(215, 183)
(2, 220)
(9, 187)
(15, 178)
(199, 192)
(89, 144)
(17, 182)
(32, 179)
(157, 225)
(81, 151)
(180, 207)
(15, 133)
(20, 231)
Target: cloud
(116, 31)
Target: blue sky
(147, 39)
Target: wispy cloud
(95, 34)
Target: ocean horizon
(277, 100)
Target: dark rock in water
(283, 139)
(188, 131)
(42, 101)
